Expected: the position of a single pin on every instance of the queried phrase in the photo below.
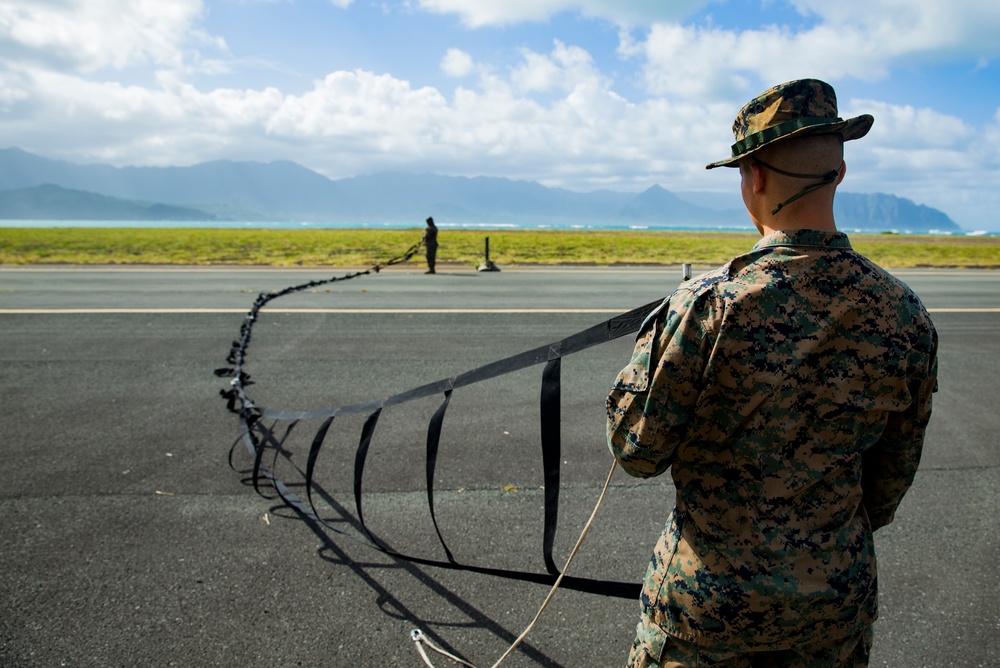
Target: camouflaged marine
(787, 392)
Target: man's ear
(843, 171)
(759, 177)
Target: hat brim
(852, 128)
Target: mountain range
(38, 188)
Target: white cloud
(366, 112)
(457, 63)
(173, 124)
(538, 73)
(554, 117)
(932, 158)
(862, 40)
(478, 13)
(566, 68)
(968, 28)
(14, 88)
(582, 136)
(88, 35)
(711, 63)
(691, 62)
(929, 157)
(915, 128)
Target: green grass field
(362, 248)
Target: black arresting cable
(261, 432)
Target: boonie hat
(794, 109)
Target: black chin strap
(828, 178)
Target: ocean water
(525, 225)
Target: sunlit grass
(362, 248)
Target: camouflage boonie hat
(793, 109)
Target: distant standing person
(431, 245)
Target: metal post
(486, 264)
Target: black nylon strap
(551, 453)
(314, 449)
(616, 327)
(433, 440)
(266, 440)
(359, 465)
(258, 437)
(615, 589)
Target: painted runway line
(387, 311)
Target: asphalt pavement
(129, 540)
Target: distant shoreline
(741, 225)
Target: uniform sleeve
(653, 398)
(890, 465)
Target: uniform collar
(817, 238)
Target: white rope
(421, 640)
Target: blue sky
(581, 94)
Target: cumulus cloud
(171, 124)
(551, 116)
(478, 13)
(580, 135)
(929, 157)
(711, 63)
(585, 136)
(88, 35)
(538, 73)
(565, 68)
(943, 28)
(379, 110)
(861, 40)
(457, 63)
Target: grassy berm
(363, 248)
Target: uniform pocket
(647, 648)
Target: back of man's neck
(791, 225)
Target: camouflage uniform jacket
(787, 392)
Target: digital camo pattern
(792, 109)
(652, 648)
(787, 392)
(795, 99)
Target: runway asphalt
(129, 541)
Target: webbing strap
(614, 589)
(433, 440)
(550, 436)
(259, 427)
(359, 466)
